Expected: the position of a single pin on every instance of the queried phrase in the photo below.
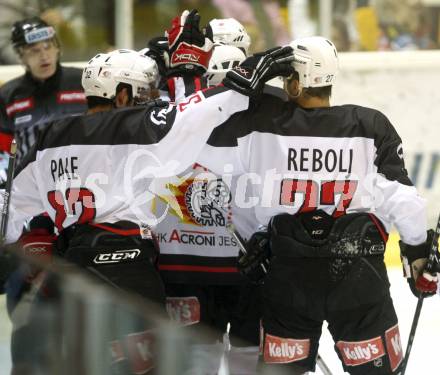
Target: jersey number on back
(315, 195)
(67, 204)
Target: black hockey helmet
(31, 30)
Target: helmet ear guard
(302, 65)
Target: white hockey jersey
(340, 159)
(106, 167)
(195, 245)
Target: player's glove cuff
(414, 259)
(427, 284)
(159, 52)
(254, 265)
(190, 48)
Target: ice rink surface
(423, 360)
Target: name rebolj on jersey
(317, 160)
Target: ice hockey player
(198, 256)
(176, 87)
(119, 249)
(331, 186)
(83, 190)
(82, 185)
(46, 92)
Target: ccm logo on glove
(116, 256)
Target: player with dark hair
(46, 92)
(90, 173)
(198, 256)
(330, 182)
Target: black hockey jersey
(340, 159)
(27, 105)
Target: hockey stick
(241, 244)
(433, 257)
(7, 194)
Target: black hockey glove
(254, 265)
(158, 51)
(414, 260)
(9, 262)
(249, 77)
(190, 48)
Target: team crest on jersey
(206, 202)
(203, 202)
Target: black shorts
(215, 306)
(352, 295)
(123, 261)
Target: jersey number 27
(315, 195)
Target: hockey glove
(249, 77)
(38, 243)
(190, 49)
(158, 51)
(254, 264)
(414, 260)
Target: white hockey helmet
(230, 32)
(316, 61)
(144, 51)
(223, 59)
(105, 71)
